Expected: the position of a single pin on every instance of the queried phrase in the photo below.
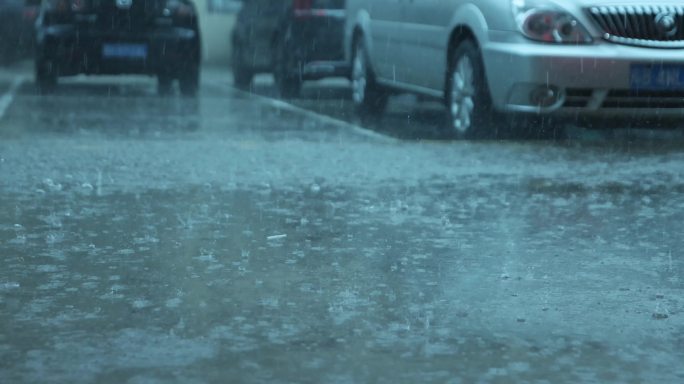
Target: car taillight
(302, 5)
(30, 13)
(67, 6)
(78, 5)
(304, 8)
(313, 8)
(178, 13)
(185, 10)
(60, 6)
(178, 8)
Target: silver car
(486, 59)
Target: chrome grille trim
(577, 98)
(641, 25)
(644, 99)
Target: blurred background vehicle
(550, 59)
(296, 40)
(17, 19)
(96, 37)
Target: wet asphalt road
(239, 239)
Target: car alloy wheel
(470, 114)
(462, 95)
(359, 75)
(369, 98)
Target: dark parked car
(296, 40)
(17, 18)
(95, 37)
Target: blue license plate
(657, 77)
(124, 51)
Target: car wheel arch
(468, 23)
(357, 35)
(458, 35)
(359, 28)
(470, 17)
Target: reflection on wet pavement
(322, 279)
(413, 118)
(147, 239)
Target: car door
(386, 31)
(426, 25)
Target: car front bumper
(576, 80)
(170, 50)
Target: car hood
(586, 3)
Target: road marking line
(8, 97)
(275, 103)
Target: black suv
(156, 37)
(296, 40)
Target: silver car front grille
(618, 99)
(656, 26)
(646, 99)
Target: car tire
(164, 84)
(469, 110)
(46, 76)
(188, 81)
(242, 78)
(285, 72)
(5, 54)
(242, 73)
(369, 98)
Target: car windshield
(341, 191)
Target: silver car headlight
(543, 21)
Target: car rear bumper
(320, 69)
(319, 45)
(577, 80)
(76, 51)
